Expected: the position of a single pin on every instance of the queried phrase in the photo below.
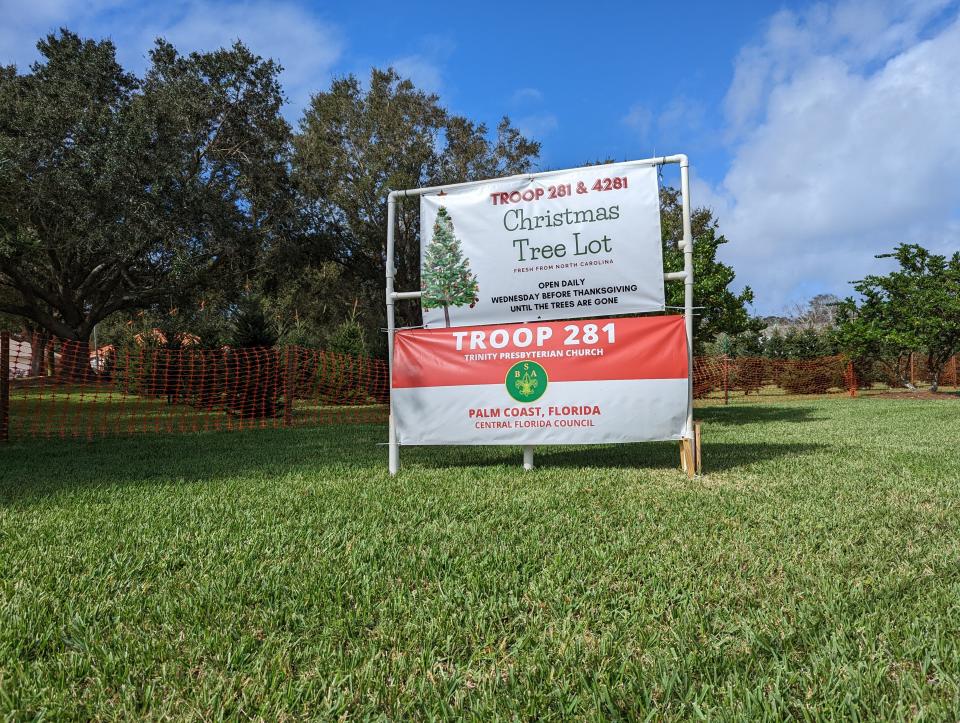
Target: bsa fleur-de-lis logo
(526, 381)
(527, 384)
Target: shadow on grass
(746, 414)
(32, 470)
(717, 456)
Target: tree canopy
(915, 308)
(182, 197)
(357, 144)
(120, 192)
(719, 309)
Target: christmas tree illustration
(446, 279)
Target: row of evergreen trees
(792, 343)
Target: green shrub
(346, 371)
(254, 374)
(806, 378)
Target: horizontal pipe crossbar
(657, 161)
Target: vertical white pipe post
(392, 446)
(528, 457)
(687, 285)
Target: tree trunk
(75, 361)
(934, 369)
(38, 347)
(904, 370)
(446, 315)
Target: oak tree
(119, 192)
(357, 143)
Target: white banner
(570, 244)
(583, 382)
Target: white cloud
(425, 67)
(306, 46)
(847, 144)
(26, 21)
(537, 125)
(640, 118)
(523, 96)
(534, 124)
(855, 32)
(424, 72)
(682, 122)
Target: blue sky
(820, 134)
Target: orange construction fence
(78, 392)
(56, 388)
(722, 376)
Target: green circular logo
(526, 381)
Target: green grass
(814, 571)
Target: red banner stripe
(653, 347)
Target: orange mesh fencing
(76, 392)
(720, 377)
(64, 389)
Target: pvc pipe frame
(685, 244)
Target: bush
(745, 375)
(871, 371)
(345, 379)
(806, 378)
(254, 372)
(254, 383)
(207, 374)
(346, 372)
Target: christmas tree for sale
(446, 279)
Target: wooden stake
(687, 460)
(690, 459)
(696, 439)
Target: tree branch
(25, 286)
(36, 314)
(91, 277)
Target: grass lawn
(813, 571)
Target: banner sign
(577, 382)
(572, 244)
